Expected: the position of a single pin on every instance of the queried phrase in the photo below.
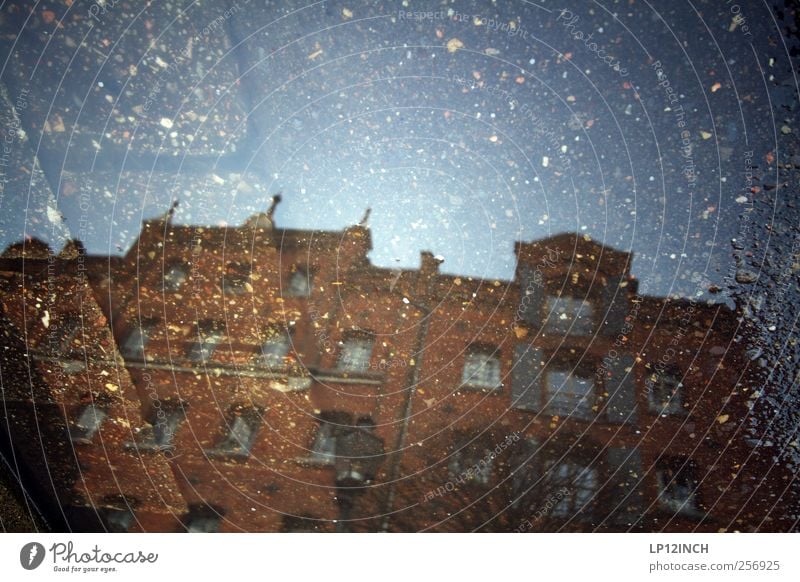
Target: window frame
(580, 321)
(345, 361)
(232, 445)
(205, 331)
(82, 433)
(70, 327)
(152, 438)
(330, 424)
(326, 434)
(278, 338)
(144, 330)
(116, 520)
(307, 278)
(556, 404)
(209, 517)
(582, 483)
(235, 281)
(169, 282)
(467, 458)
(673, 406)
(677, 473)
(489, 355)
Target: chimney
(429, 265)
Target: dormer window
(568, 314)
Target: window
(209, 336)
(118, 520)
(569, 314)
(133, 348)
(88, 422)
(175, 277)
(241, 434)
(331, 424)
(677, 486)
(160, 433)
(579, 483)
(275, 350)
(323, 450)
(355, 354)
(569, 394)
(235, 281)
(203, 519)
(301, 524)
(666, 392)
(473, 466)
(300, 283)
(67, 336)
(481, 369)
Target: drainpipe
(411, 385)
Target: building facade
(266, 379)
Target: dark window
(355, 353)
(88, 422)
(569, 394)
(677, 486)
(241, 433)
(235, 281)
(331, 425)
(118, 520)
(133, 348)
(323, 450)
(481, 369)
(160, 433)
(175, 276)
(67, 336)
(203, 519)
(553, 483)
(574, 487)
(208, 337)
(274, 350)
(666, 392)
(473, 465)
(569, 314)
(300, 282)
(301, 524)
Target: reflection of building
(263, 379)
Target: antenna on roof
(365, 218)
(171, 211)
(275, 201)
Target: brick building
(266, 379)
